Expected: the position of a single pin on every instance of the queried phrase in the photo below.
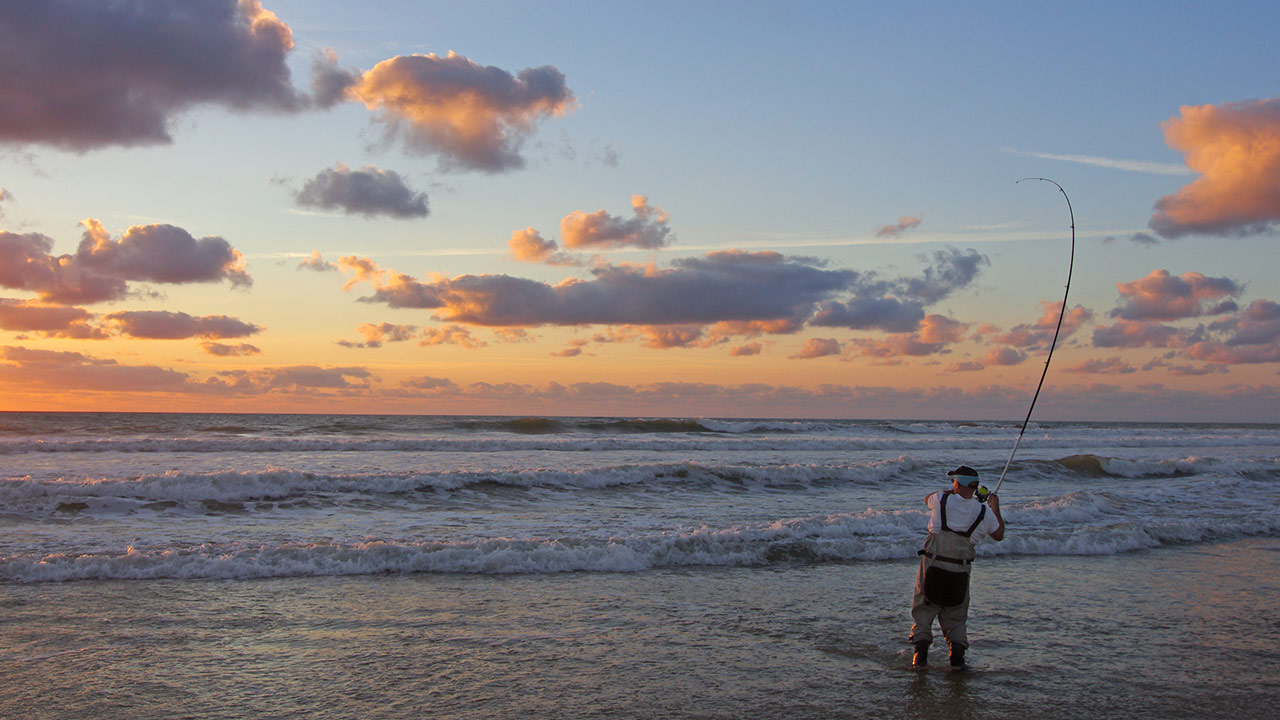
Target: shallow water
(1186, 632)
(228, 566)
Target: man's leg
(952, 620)
(922, 615)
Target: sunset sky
(698, 209)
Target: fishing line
(1052, 345)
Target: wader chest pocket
(947, 588)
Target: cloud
(1136, 238)
(513, 335)
(528, 245)
(471, 117)
(602, 231)
(1131, 334)
(450, 335)
(1236, 149)
(967, 366)
(329, 83)
(1141, 166)
(76, 371)
(904, 224)
(368, 191)
(101, 267)
(1039, 334)
(1114, 365)
(80, 74)
(1163, 297)
(899, 305)
(49, 320)
(5, 196)
(932, 335)
(1258, 324)
(165, 325)
(746, 350)
(816, 348)
(298, 379)
(317, 263)
(1192, 370)
(1005, 356)
(721, 286)
(225, 350)
(375, 335)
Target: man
(956, 520)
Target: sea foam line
(1079, 526)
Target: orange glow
(1236, 149)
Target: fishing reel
(982, 493)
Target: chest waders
(949, 554)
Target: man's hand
(993, 502)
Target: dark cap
(966, 471)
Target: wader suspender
(942, 507)
(982, 511)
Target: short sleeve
(990, 523)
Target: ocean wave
(274, 484)
(539, 436)
(871, 535)
(1102, 466)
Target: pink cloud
(297, 379)
(376, 335)
(1236, 149)
(471, 117)
(904, 224)
(746, 350)
(1040, 333)
(49, 320)
(317, 263)
(528, 245)
(931, 337)
(76, 371)
(967, 366)
(1114, 365)
(450, 335)
(600, 230)
(102, 267)
(816, 348)
(1005, 356)
(1162, 297)
(1129, 334)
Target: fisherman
(956, 520)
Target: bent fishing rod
(1052, 345)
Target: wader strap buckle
(943, 558)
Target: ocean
(353, 566)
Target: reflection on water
(1180, 633)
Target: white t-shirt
(960, 514)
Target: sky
(711, 209)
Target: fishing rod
(1052, 345)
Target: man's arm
(993, 502)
